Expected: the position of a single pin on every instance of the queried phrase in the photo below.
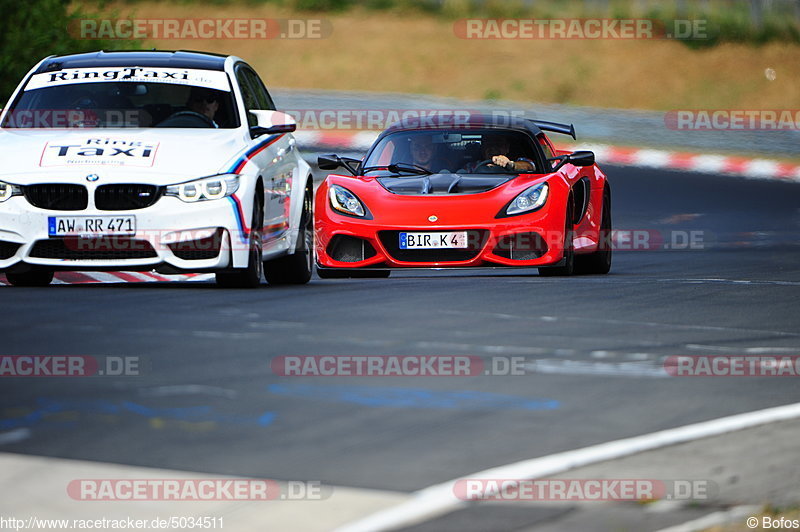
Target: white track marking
(746, 350)
(227, 335)
(188, 389)
(578, 367)
(753, 282)
(487, 314)
(364, 342)
(439, 499)
(276, 324)
(679, 326)
(14, 436)
(485, 349)
(639, 356)
(528, 318)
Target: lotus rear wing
(566, 129)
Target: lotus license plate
(452, 240)
(91, 225)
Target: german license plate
(452, 240)
(91, 225)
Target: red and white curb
(346, 140)
(754, 168)
(119, 277)
(692, 162)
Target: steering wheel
(187, 119)
(488, 167)
(85, 112)
(84, 102)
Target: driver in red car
(499, 145)
(424, 153)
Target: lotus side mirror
(581, 158)
(578, 158)
(328, 162)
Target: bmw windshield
(124, 97)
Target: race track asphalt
(207, 399)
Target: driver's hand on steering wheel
(503, 161)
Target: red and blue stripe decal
(252, 152)
(244, 231)
(241, 162)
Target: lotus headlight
(208, 188)
(533, 198)
(7, 190)
(345, 201)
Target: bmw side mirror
(272, 123)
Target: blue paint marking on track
(413, 397)
(47, 407)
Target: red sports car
(486, 191)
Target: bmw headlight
(345, 201)
(208, 188)
(533, 198)
(7, 190)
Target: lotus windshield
(125, 97)
(449, 151)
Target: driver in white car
(203, 102)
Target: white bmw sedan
(135, 161)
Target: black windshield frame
(520, 141)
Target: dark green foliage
(31, 30)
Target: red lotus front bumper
(528, 240)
